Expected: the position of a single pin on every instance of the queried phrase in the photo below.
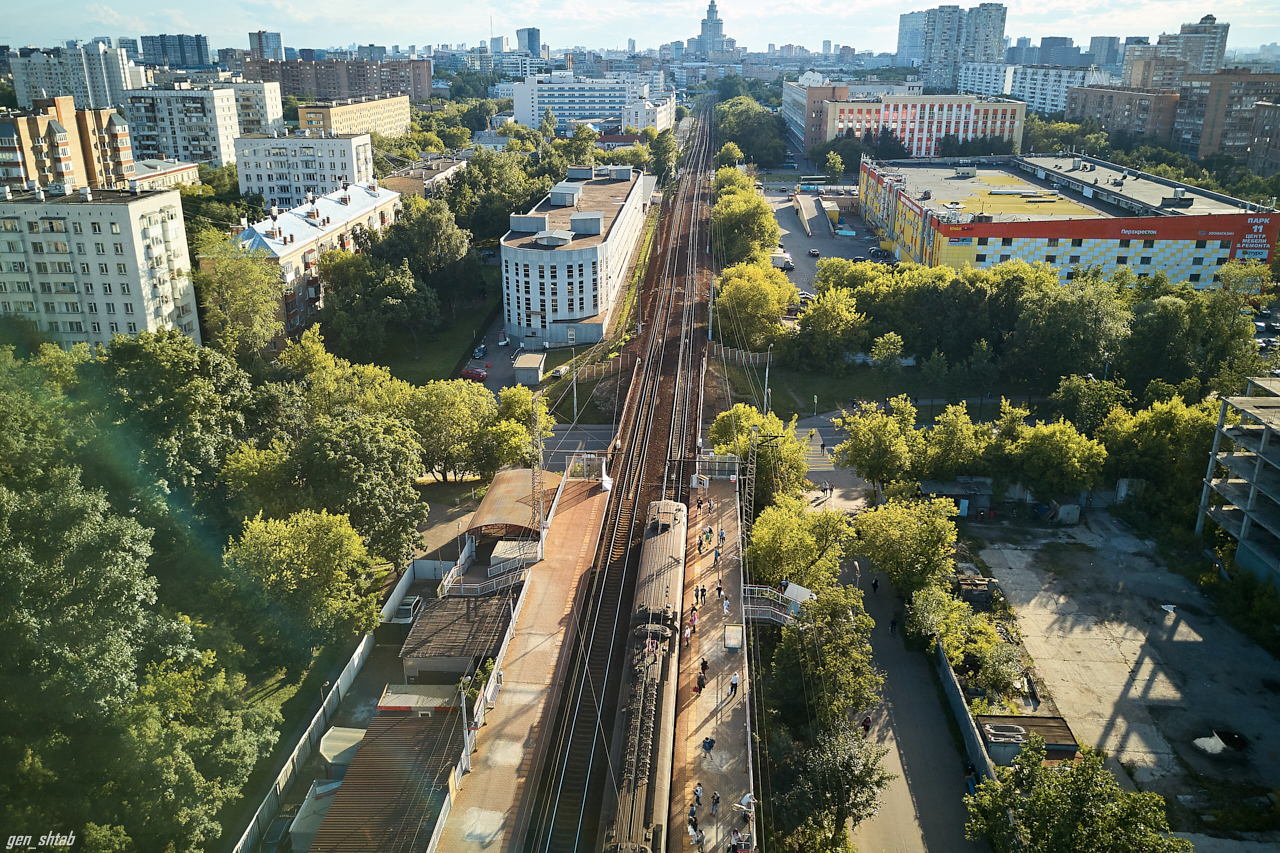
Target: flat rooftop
(294, 137)
(99, 197)
(1263, 410)
(460, 626)
(599, 195)
(990, 193)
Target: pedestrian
(722, 537)
(711, 507)
(719, 590)
(708, 744)
(700, 839)
(725, 602)
(705, 665)
(702, 685)
(824, 447)
(893, 626)
(693, 834)
(693, 824)
(716, 561)
(699, 546)
(697, 795)
(733, 686)
(715, 803)
(875, 584)
(699, 506)
(704, 595)
(866, 726)
(688, 633)
(693, 620)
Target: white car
(408, 610)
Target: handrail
(528, 554)
(493, 585)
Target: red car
(479, 374)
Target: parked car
(814, 253)
(1260, 326)
(1273, 327)
(278, 839)
(859, 259)
(478, 374)
(409, 609)
(561, 371)
(806, 297)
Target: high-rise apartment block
(1042, 87)
(910, 39)
(96, 263)
(1150, 66)
(184, 122)
(1264, 148)
(130, 47)
(1202, 45)
(953, 36)
(1105, 50)
(265, 45)
(284, 169)
(63, 149)
(388, 116)
(1146, 114)
(339, 79)
(1215, 111)
(499, 44)
(573, 98)
(96, 76)
(176, 51)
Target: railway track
(652, 459)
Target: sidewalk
(850, 490)
(713, 714)
(487, 814)
(923, 811)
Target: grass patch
(452, 492)
(440, 351)
(589, 409)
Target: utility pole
(573, 358)
(767, 361)
(536, 477)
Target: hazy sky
(755, 23)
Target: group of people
(699, 836)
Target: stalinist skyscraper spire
(712, 39)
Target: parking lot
(797, 243)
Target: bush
(999, 667)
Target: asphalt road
(798, 244)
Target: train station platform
(487, 813)
(719, 712)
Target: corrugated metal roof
(507, 508)
(395, 787)
(460, 626)
(361, 201)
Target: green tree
(750, 301)
(242, 293)
(681, 112)
(981, 371)
(956, 446)
(830, 331)
(754, 129)
(728, 155)
(1160, 344)
(790, 543)
(455, 137)
(780, 458)
(730, 180)
(548, 125)
(1054, 459)
(882, 444)
(910, 541)
(309, 580)
(1065, 329)
(936, 374)
(429, 240)
(834, 168)
(648, 135)
(663, 152)
(1071, 807)
(450, 418)
(1086, 402)
(365, 296)
(744, 228)
(886, 358)
(823, 661)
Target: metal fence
(738, 356)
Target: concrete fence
(601, 369)
(738, 356)
(968, 729)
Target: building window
(1195, 276)
(1124, 244)
(1004, 258)
(1224, 244)
(1050, 259)
(1006, 241)
(981, 258)
(1122, 259)
(1222, 261)
(95, 227)
(1053, 242)
(1197, 262)
(1201, 244)
(1074, 259)
(1148, 244)
(1076, 243)
(75, 227)
(100, 248)
(96, 327)
(93, 308)
(106, 289)
(133, 327)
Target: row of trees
(175, 531)
(742, 222)
(759, 133)
(815, 674)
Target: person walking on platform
(719, 590)
(875, 584)
(721, 537)
(715, 562)
(715, 803)
(693, 620)
(708, 744)
(702, 685)
(699, 546)
(699, 506)
(697, 795)
(704, 666)
(703, 594)
(725, 602)
(711, 506)
(733, 686)
(688, 633)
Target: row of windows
(63, 287)
(55, 226)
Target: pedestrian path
(923, 811)
(720, 712)
(488, 812)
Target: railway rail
(652, 459)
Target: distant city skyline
(754, 23)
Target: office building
(339, 79)
(295, 239)
(1202, 46)
(265, 45)
(63, 149)
(96, 263)
(130, 47)
(94, 75)
(631, 47)
(1058, 50)
(565, 261)
(1264, 147)
(1242, 471)
(529, 40)
(711, 42)
(1087, 213)
(283, 169)
(389, 116)
(499, 44)
(921, 121)
(814, 107)
(910, 39)
(1215, 112)
(519, 65)
(176, 51)
(1146, 114)
(1042, 87)
(183, 122)
(571, 98)
(371, 52)
(232, 59)
(659, 114)
(1105, 50)
(826, 47)
(953, 36)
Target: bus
(813, 179)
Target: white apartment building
(519, 64)
(574, 98)
(183, 122)
(658, 114)
(95, 75)
(97, 263)
(283, 169)
(1042, 87)
(259, 108)
(565, 261)
(295, 240)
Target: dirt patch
(715, 393)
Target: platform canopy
(507, 509)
